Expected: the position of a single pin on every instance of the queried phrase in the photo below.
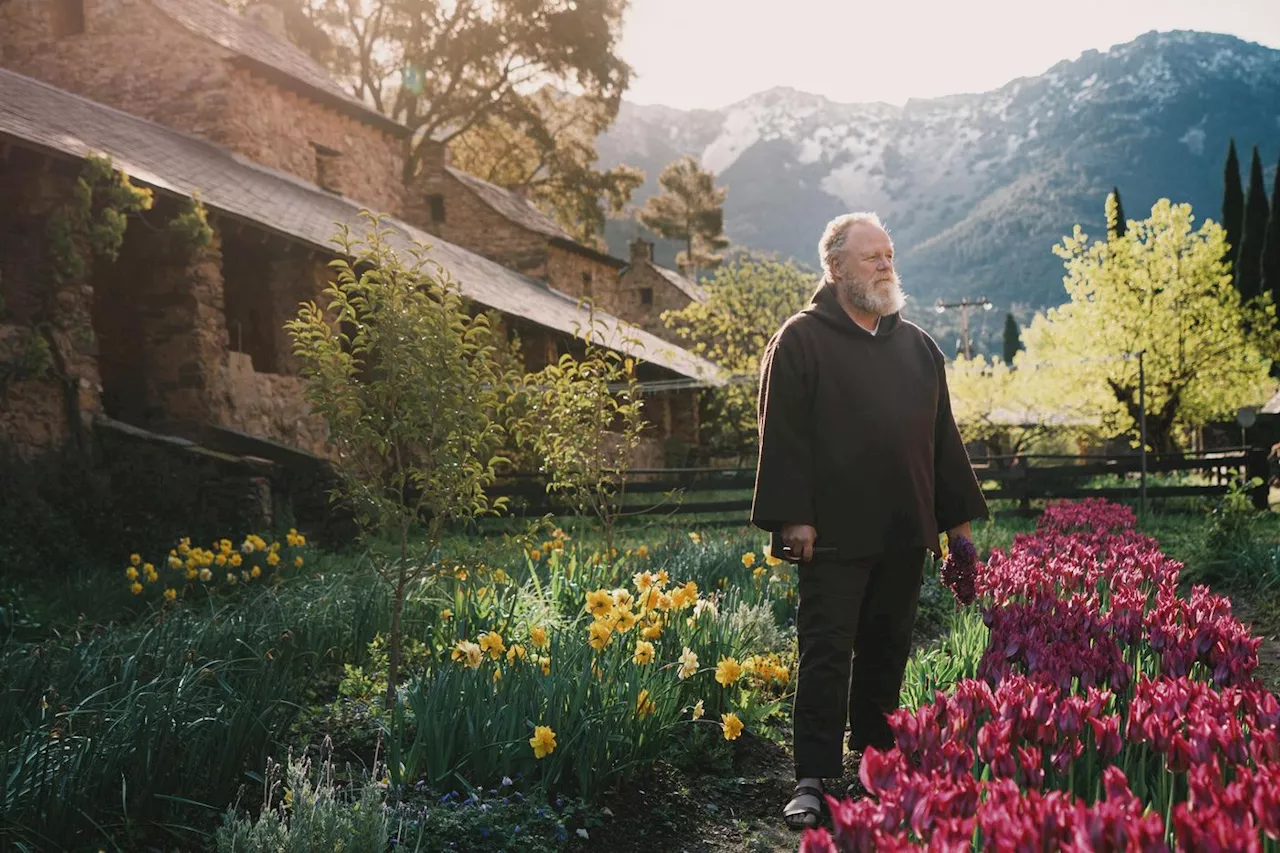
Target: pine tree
(1012, 337)
(1271, 245)
(1256, 211)
(1116, 226)
(1232, 205)
(690, 208)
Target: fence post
(1256, 466)
(1024, 503)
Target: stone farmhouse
(190, 99)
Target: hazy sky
(709, 53)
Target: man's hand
(800, 538)
(961, 530)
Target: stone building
(646, 290)
(189, 99)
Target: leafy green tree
(1115, 214)
(1253, 233)
(746, 302)
(584, 419)
(408, 382)
(1232, 206)
(1162, 289)
(689, 208)
(550, 156)
(1012, 339)
(476, 67)
(1005, 408)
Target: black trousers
(854, 623)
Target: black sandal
(804, 818)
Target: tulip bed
(1109, 713)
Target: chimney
(269, 18)
(641, 250)
(435, 156)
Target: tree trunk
(397, 607)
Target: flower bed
(1108, 710)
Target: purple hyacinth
(960, 569)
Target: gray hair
(836, 233)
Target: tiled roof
(58, 121)
(251, 42)
(511, 205)
(684, 285)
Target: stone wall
(282, 130)
(582, 276)
(272, 406)
(470, 223)
(639, 279)
(125, 58)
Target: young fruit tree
(584, 419)
(410, 385)
(1161, 289)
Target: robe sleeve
(784, 490)
(957, 495)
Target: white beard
(880, 299)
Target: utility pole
(964, 305)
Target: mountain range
(975, 188)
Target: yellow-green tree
(1161, 288)
(689, 208)
(746, 302)
(411, 386)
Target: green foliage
(690, 208)
(92, 223)
(409, 384)
(1252, 233)
(584, 418)
(1116, 224)
(1231, 520)
(746, 302)
(1232, 206)
(190, 227)
(1161, 289)
(1271, 245)
(312, 815)
(953, 658)
(26, 354)
(1012, 339)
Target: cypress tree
(1012, 338)
(1256, 211)
(1232, 206)
(1116, 226)
(1271, 245)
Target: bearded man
(861, 468)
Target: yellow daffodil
(516, 651)
(255, 572)
(599, 603)
(497, 674)
(135, 588)
(642, 552)
(220, 560)
(644, 653)
(644, 705)
(749, 559)
(543, 741)
(703, 607)
(545, 663)
(231, 578)
(771, 561)
(758, 571)
(732, 726)
(446, 614)
(664, 602)
(623, 598)
(206, 575)
(688, 663)
(191, 574)
(695, 537)
(170, 594)
(651, 631)
(297, 562)
(235, 560)
(781, 674)
(467, 652)
(184, 545)
(225, 546)
(175, 562)
(649, 598)
(698, 710)
(535, 555)
(131, 573)
(492, 643)
(538, 637)
(728, 670)
(135, 559)
(273, 559)
(600, 634)
(626, 620)
(643, 580)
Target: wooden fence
(1023, 479)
